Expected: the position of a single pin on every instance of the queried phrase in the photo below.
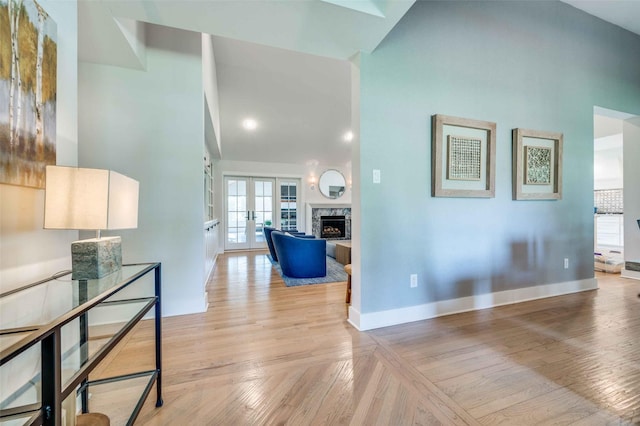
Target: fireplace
(315, 212)
(333, 227)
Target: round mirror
(332, 184)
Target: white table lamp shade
(89, 199)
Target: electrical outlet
(376, 176)
(414, 280)
(566, 263)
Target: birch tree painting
(28, 62)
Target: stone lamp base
(96, 257)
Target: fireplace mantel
(328, 206)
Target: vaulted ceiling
(623, 13)
(284, 63)
(301, 103)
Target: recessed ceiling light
(249, 124)
(348, 137)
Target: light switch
(376, 176)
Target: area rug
(335, 273)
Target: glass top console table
(54, 335)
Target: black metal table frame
(49, 412)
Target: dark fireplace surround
(333, 227)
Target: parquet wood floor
(265, 354)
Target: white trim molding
(328, 206)
(627, 273)
(373, 320)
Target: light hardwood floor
(268, 354)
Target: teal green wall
(533, 65)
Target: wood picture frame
(463, 157)
(537, 165)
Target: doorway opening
(611, 207)
(251, 203)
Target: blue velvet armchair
(300, 257)
(267, 236)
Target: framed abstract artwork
(463, 153)
(28, 76)
(537, 165)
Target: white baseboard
(184, 307)
(626, 273)
(372, 320)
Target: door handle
(253, 215)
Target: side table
(343, 252)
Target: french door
(250, 203)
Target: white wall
(134, 32)
(28, 252)
(302, 172)
(607, 163)
(212, 110)
(315, 196)
(149, 125)
(356, 206)
(631, 194)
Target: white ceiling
(302, 104)
(282, 62)
(607, 133)
(604, 126)
(623, 13)
(336, 29)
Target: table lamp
(91, 199)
